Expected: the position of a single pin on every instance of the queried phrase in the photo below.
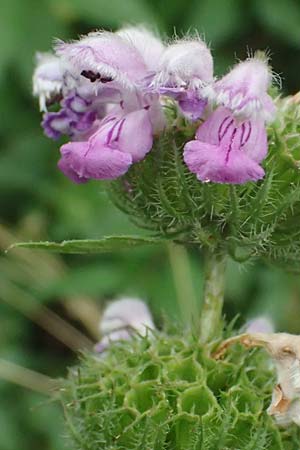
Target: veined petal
(210, 164)
(227, 151)
(88, 161)
(135, 136)
(147, 44)
(47, 78)
(252, 133)
(105, 56)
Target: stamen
(92, 76)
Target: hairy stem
(213, 296)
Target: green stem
(214, 283)
(183, 281)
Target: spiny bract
(166, 393)
(258, 219)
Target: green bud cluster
(163, 392)
(258, 219)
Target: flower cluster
(112, 90)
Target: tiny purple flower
(67, 122)
(227, 151)
(76, 103)
(56, 124)
(110, 151)
(191, 105)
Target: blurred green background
(42, 294)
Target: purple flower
(244, 90)
(109, 152)
(227, 151)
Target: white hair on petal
(185, 61)
(148, 43)
(84, 54)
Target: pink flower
(227, 151)
(110, 151)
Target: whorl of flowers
(113, 90)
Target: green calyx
(251, 220)
(166, 392)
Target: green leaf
(106, 244)
(282, 18)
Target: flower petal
(135, 136)
(147, 44)
(191, 106)
(256, 145)
(209, 162)
(66, 168)
(93, 162)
